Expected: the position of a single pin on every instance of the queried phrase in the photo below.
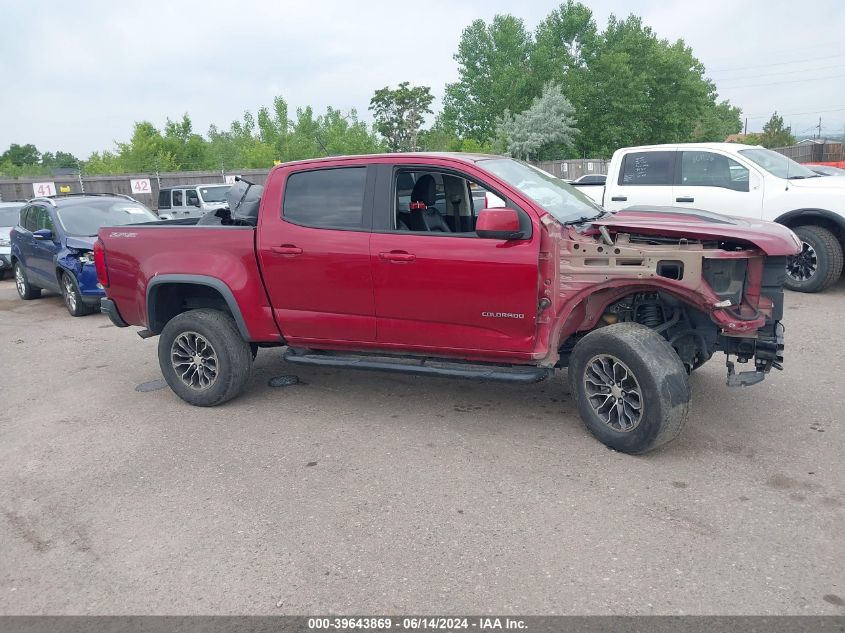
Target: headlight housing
(86, 258)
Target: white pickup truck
(743, 181)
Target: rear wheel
(203, 357)
(26, 290)
(631, 387)
(73, 298)
(818, 265)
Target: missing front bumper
(767, 352)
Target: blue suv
(52, 245)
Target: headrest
(425, 190)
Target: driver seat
(424, 215)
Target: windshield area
(214, 194)
(777, 164)
(563, 201)
(9, 216)
(85, 218)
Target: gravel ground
(357, 492)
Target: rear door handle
(684, 199)
(286, 249)
(397, 256)
(619, 199)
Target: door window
(439, 202)
(326, 198)
(177, 197)
(28, 219)
(647, 168)
(40, 219)
(192, 199)
(706, 169)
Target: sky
(77, 75)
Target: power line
(784, 72)
(794, 61)
(778, 83)
(760, 116)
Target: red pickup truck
(455, 265)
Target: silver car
(9, 217)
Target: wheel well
(691, 332)
(166, 300)
(813, 217)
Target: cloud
(87, 73)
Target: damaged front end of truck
(706, 283)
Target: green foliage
(251, 142)
(627, 86)
(495, 75)
(775, 134)
(717, 122)
(399, 115)
(548, 121)
(20, 155)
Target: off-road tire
(26, 290)
(233, 354)
(73, 298)
(659, 372)
(828, 254)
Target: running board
(524, 374)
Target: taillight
(100, 263)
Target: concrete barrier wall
(22, 188)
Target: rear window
(164, 199)
(647, 168)
(327, 198)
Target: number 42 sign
(140, 185)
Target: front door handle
(286, 249)
(684, 199)
(619, 199)
(399, 257)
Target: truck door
(313, 249)
(644, 178)
(441, 289)
(714, 182)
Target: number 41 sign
(140, 185)
(43, 189)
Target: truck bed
(175, 250)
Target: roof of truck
(462, 156)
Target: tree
(775, 134)
(399, 115)
(548, 121)
(61, 160)
(494, 76)
(717, 122)
(21, 155)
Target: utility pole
(746, 127)
(820, 128)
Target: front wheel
(818, 265)
(203, 357)
(26, 290)
(631, 387)
(73, 298)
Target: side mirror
(498, 224)
(43, 234)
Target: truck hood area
(771, 238)
(822, 182)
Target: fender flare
(835, 218)
(197, 280)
